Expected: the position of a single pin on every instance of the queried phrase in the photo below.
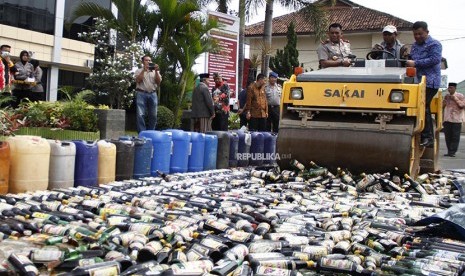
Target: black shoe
(452, 154)
(426, 142)
(446, 154)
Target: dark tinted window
(75, 79)
(34, 15)
(81, 24)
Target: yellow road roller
(366, 118)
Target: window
(81, 24)
(34, 15)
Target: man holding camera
(148, 79)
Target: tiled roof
(354, 18)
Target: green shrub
(80, 115)
(165, 118)
(234, 121)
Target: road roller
(366, 118)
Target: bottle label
(239, 236)
(154, 247)
(216, 225)
(274, 264)
(262, 247)
(201, 249)
(43, 255)
(105, 271)
(193, 255)
(40, 215)
(315, 252)
(263, 270)
(447, 255)
(54, 206)
(209, 242)
(140, 228)
(193, 267)
(55, 229)
(238, 252)
(115, 220)
(86, 262)
(91, 203)
(344, 265)
(69, 210)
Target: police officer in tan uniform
(335, 51)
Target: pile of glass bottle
(248, 221)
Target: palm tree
(135, 21)
(187, 46)
(173, 15)
(313, 11)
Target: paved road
(450, 163)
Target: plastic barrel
(143, 153)
(62, 162)
(196, 158)
(210, 153)
(86, 165)
(124, 158)
(4, 167)
(222, 157)
(162, 144)
(181, 150)
(233, 148)
(256, 149)
(106, 162)
(29, 163)
(243, 148)
(269, 147)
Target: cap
(390, 29)
(453, 84)
(273, 74)
(204, 76)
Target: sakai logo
(346, 93)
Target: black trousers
(427, 132)
(243, 119)
(257, 124)
(220, 122)
(272, 122)
(20, 94)
(452, 135)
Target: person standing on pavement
(220, 95)
(202, 106)
(256, 107)
(426, 55)
(335, 51)
(454, 104)
(242, 99)
(273, 97)
(148, 80)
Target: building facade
(43, 28)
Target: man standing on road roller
(426, 57)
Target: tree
(191, 42)
(135, 21)
(285, 60)
(112, 75)
(313, 12)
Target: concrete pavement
(451, 163)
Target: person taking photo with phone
(148, 80)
